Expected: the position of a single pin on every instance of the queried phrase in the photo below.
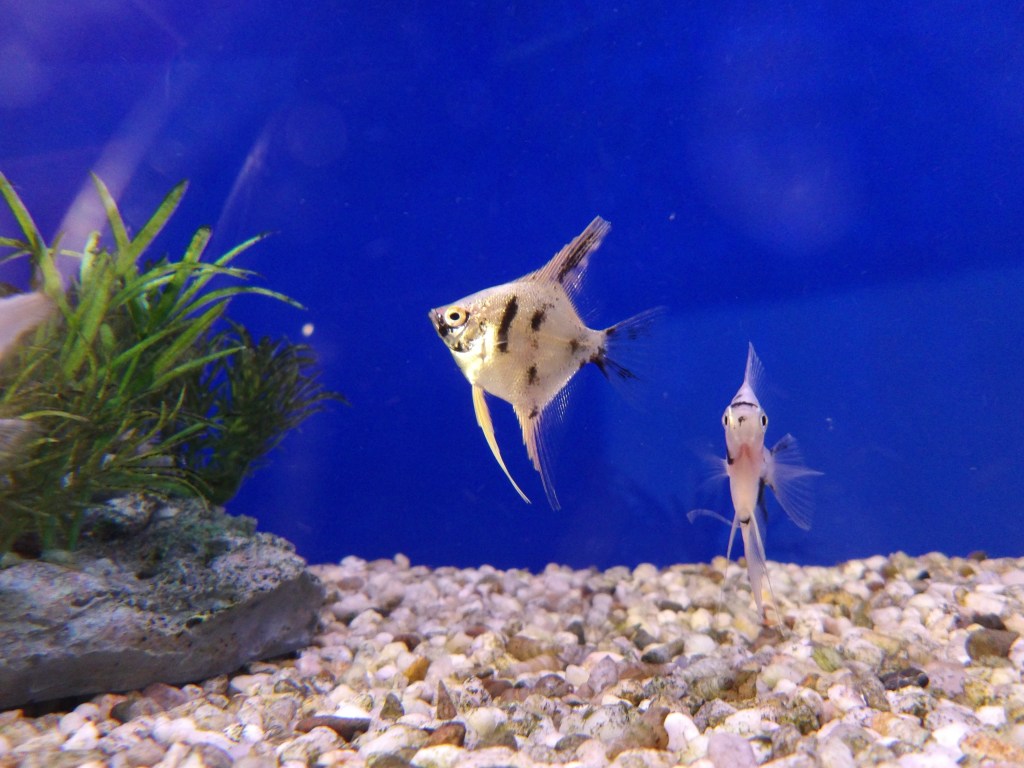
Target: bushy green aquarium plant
(139, 382)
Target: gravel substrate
(897, 661)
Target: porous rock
(191, 594)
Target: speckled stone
(220, 596)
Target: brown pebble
(211, 756)
(524, 648)
(278, 716)
(500, 737)
(387, 760)
(988, 620)
(571, 742)
(350, 583)
(576, 627)
(145, 752)
(978, 556)
(137, 706)
(902, 678)
(552, 686)
(990, 642)
(642, 638)
(475, 630)
(495, 686)
(417, 670)
(166, 696)
(346, 727)
(445, 708)
(411, 640)
(670, 605)
(392, 708)
(513, 694)
(646, 733)
(449, 733)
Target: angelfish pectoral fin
(483, 418)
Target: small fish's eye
(456, 317)
(764, 419)
(725, 419)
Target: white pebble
(680, 729)
(438, 756)
(699, 644)
(844, 697)
(484, 720)
(394, 739)
(835, 754)
(926, 760)
(84, 738)
(949, 736)
(744, 722)
(576, 676)
(993, 715)
(984, 602)
(70, 723)
(347, 707)
(700, 620)
(727, 750)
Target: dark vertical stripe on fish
(506, 322)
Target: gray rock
(191, 594)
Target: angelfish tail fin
(483, 419)
(622, 347)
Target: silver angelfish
(750, 468)
(524, 340)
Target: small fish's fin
(532, 423)
(757, 561)
(483, 418)
(787, 476)
(19, 314)
(568, 266)
(753, 376)
(693, 514)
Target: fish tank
(842, 196)
(839, 187)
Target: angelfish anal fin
(483, 418)
(532, 439)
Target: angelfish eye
(725, 419)
(455, 317)
(764, 419)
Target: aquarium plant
(139, 382)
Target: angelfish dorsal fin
(483, 418)
(568, 266)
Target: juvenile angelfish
(750, 467)
(524, 340)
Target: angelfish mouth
(439, 324)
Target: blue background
(840, 185)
